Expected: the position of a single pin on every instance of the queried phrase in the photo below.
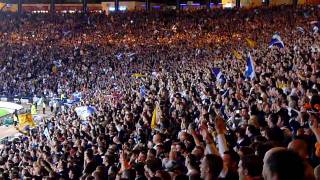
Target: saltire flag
(218, 74)
(276, 41)
(142, 91)
(316, 26)
(119, 56)
(83, 112)
(47, 134)
(57, 63)
(300, 29)
(76, 96)
(130, 54)
(226, 93)
(250, 72)
(40, 101)
(66, 33)
(237, 55)
(88, 20)
(251, 43)
(26, 120)
(222, 111)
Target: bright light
(121, 8)
(228, 5)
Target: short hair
(139, 168)
(246, 150)
(215, 163)
(153, 152)
(193, 161)
(274, 118)
(253, 164)
(152, 165)
(286, 164)
(234, 156)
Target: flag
(237, 55)
(88, 20)
(83, 112)
(33, 110)
(218, 74)
(39, 102)
(251, 43)
(250, 72)
(142, 91)
(137, 75)
(57, 63)
(276, 41)
(154, 118)
(26, 120)
(76, 96)
(226, 93)
(54, 69)
(315, 29)
(119, 56)
(66, 33)
(316, 26)
(300, 29)
(62, 97)
(47, 134)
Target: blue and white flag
(250, 72)
(316, 26)
(66, 33)
(300, 29)
(142, 91)
(219, 76)
(76, 96)
(226, 93)
(39, 101)
(276, 41)
(85, 111)
(47, 134)
(57, 63)
(88, 20)
(119, 56)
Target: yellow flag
(54, 70)
(62, 96)
(251, 43)
(26, 120)
(154, 118)
(33, 110)
(137, 75)
(237, 55)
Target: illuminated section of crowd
(220, 94)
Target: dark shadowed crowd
(161, 113)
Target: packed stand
(161, 112)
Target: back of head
(317, 172)
(300, 147)
(215, 164)
(284, 164)
(253, 165)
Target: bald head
(156, 139)
(300, 147)
(282, 164)
(271, 151)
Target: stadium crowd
(161, 112)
